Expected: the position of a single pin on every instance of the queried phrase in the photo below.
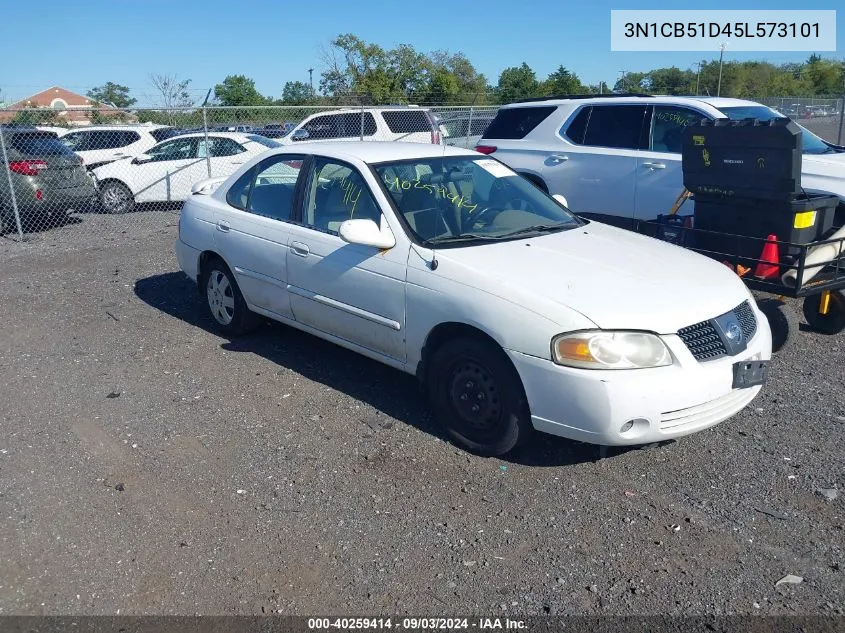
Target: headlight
(610, 350)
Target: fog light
(627, 426)
(634, 428)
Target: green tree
(112, 94)
(516, 83)
(562, 82)
(239, 90)
(669, 81)
(297, 93)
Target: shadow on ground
(390, 391)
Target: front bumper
(667, 402)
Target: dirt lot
(148, 465)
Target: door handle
(222, 225)
(300, 249)
(558, 158)
(655, 165)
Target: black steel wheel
(833, 321)
(783, 322)
(477, 397)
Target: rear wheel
(477, 397)
(225, 302)
(115, 197)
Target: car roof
(715, 102)
(237, 136)
(374, 151)
(112, 128)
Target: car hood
(832, 165)
(615, 278)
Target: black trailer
(752, 214)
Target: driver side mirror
(300, 135)
(367, 233)
(561, 199)
(140, 159)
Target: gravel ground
(148, 465)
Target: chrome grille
(747, 320)
(703, 340)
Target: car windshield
(263, 140)
(469, 199)
(812, 143)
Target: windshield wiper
(463, 237)
(538, 228)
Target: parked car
(455, 127)
(241, 128)
(514, 313)
(101, 144)
(47, 178)
(618, 158)
(167, 171)
(400, 123)
(58, 131)
(162, 133)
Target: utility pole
(698, 77)
(622, 79)
(311, 80)
(721, 54)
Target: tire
(831, 323)
(477, 397)
(782, 320)
(116, 198)
(223, 298)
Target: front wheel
(477, 397)
(115, 197)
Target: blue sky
(86, 43)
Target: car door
(253, 230)
(594, 165)
(660, 178)
(173, 168)
(350, 291)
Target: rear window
(513, 123)
(406, 121)
(39, 144)
(163, 133)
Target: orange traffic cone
(769, 265)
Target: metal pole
(697, 78)
(362, 120)
(841, 109)
(469, 125)
(11, 186)
(721, 54)
(205, 129)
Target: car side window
(667, 127)
(321, 127)
(577, 127)
(273, 186)
(615, 126)
(76, 141)
(218, 147)
(177, 149)
(337, 192)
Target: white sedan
(514, 313)
(167, 171)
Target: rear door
(253, 231)
(660, 178)
(595, 162)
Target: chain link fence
(125, 172)
(141, 165)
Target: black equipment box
(801, 220)
(743, 159)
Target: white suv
(618, 158)
(101, 144)
(409, 124)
